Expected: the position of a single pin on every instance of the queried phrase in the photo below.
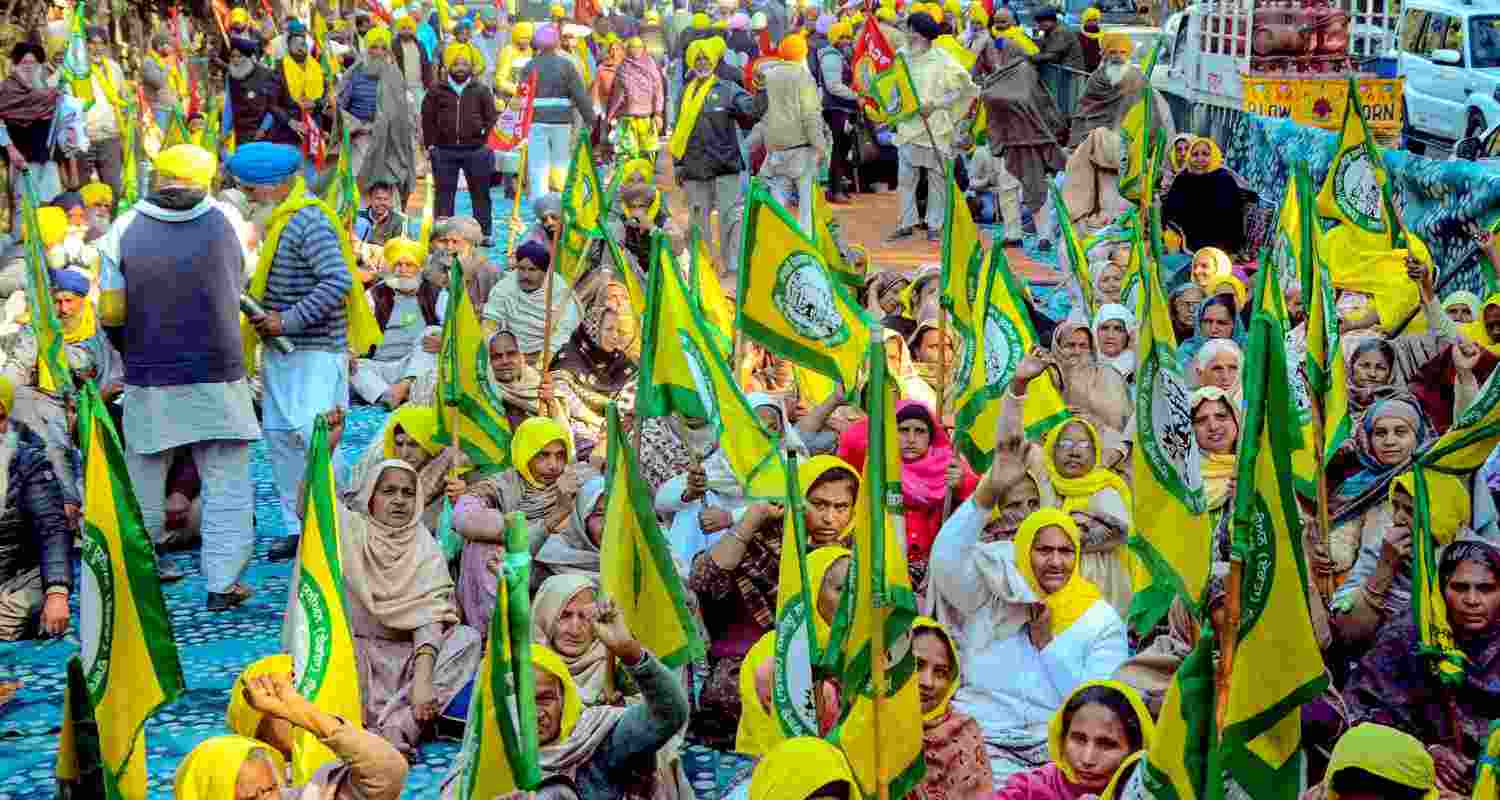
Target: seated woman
(1376, 762)
(1014, 678)
(1114, 330)
(1099, 503)
(1185, 300)
(1384, 441)
(952, 745)
(1205, 201)
(1210, 266)
(1216, 318)
(1092, 734)
(410, 435)
(575, 551)
(222, 767)
(413, 654)
(1218, 365)
(759, 731)
(562, 614)
(1393, 683)
(1089, 386)
(596, 366)
(603, 752)
(1216, 428)
(803, 768)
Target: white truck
(1284, 58)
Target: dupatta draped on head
(1076, 596)
(398, 574)
(1386, 753)
(1218, 469)
(211, 770)
(797, 768)
(1055, 733)
(1372, 477)
(809, 471)
(758, 731)
(924, 482)
(941, 710)
(572, 551)
(590, 669)
(1075, 493)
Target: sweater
(360, 94)
(559, 90)
(308, 282)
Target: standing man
(301, 76)
(457, 116)
(840, 105)
(163, 78)
(259, 110)
(925, 143)
(793, 128)
(101, 120)
(304, 284)
(171, 272)
(559, 91)
(28, 104)
(1059, 48)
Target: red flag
(379, 11)
(872, 54)
(514, 124)
(313, 145)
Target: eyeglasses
(1074, 445)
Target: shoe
(1044, 245)
(900, 234)
(285, 549)
(236, 595)
(167, 572)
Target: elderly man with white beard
(406, 306)
(1110, 92)
(36, 568)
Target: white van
(1450, 55)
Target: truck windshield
(1484, 39)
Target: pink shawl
(924, 482)
(1043, 783)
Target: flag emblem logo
(1171, 453)
(1356, 189)
(794, 696)
(1002, 347)
(96, 614)
(1284, 258)
(313, 638)
(805, 298)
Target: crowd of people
(1031, 685)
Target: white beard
(405, 285)
(1115, 73)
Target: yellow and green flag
(1172, 534)
(882, 77)
(797, 653)
(76, 65)
(129, 657)
(789, 299)
(53, 374)
(629, 275)
(323, 668)
(1261, 733)
(1072, 249)
(1180, 756)
(1325, 367)
(635, 561)
(963, 260)
(1142, 141)
(342, 194)
(500, 752)
(468, 401)
(716, 306)
(582, 212)
(828, 243)
(881, 734)
(1357, 189)
(429, 201)
(1487, 783)
(683, 370)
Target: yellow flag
(789, 300)
(1078, 260)
(129, 656)
(1172, 537)
(703, 277)
(1176, 763)
(629, 275)
(822, 218)
(635, 561)
(1354, 190)
(470, 403)
(1487, 785)
(963, 260)
(582, 212)
(684, 371)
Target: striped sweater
(308, 283)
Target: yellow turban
(188, 162)
(700, 21)
(933, 10)
(521, 33)
(97, 194)
(1116, 42)
(1091, 14)
(52, 224)
(713, 49)
(467, 52)
(7, 394)
(211, 770)
(240, 717)
(378, 37)
(886, 14)
(839, 32)
(403, 249)
(406, 24)
(793, 48)
(558, 12)
(952, 9)
(239, 16)
(652, 18)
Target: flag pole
(515, 207)
(546, 354)
(877, 630)
(1320, 475)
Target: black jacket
(262, 92)
(399, 53)
(713, 149)
(451, 120)
(33, 528)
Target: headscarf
(590, 669)
(797, 768)
(1475, 331)
(1218, 469)
(399, 575)
(240, 717)
(1448, 507)
(584, 356)
(809, 471)
(941, 710)
(211, 770)
(529, 439)
(1386, 753)
(913, 387)
(378, 36)
(1222, 269)
(1055, 725)
(924, 482)
(758, 730)
(1075, 493)
(98, 194)
(1216, 160)
(1078, 595)
(1363, 397)
(572, 551)
(819, 561)
(547, 660)
(1179, 164)
(1188, 350)
(1115, 43)
(1460, 297)
(791, 438)
(1237, 286)
(1125, 361)
(1373, 475)
(418, 422)
(523, 393)
(7, 394)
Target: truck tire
(1474, 124)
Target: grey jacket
(559, 90)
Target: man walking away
(559, 91)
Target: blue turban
(296, 27)
(264, 163)
(68, 280)
(535, 252)
(245, 45)
(67, 201)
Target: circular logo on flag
(1002, 348)
(697, 363)
(805, 297)
(1172, 449)
(965, 350)
(865, 72)
(1356, 189)
(1284, 259)
(794, 698)
(312, 640)
(96, 613)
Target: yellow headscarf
(1018, 37)
(7, 394)
(819, 561)
(1115, 43)
(97, 194)
(1220, 267)
(52, 223)
(1216, 159)
(696, 93)
(839, 32)
(797, 768)
(758, 731)
(240, 717)
(1076, 596)
(468, 52)
(979, 15)
(239, 16)
(1055, 726)
(529, 439)
(521, 33)
(210, 770)
(928, 623)
(1112, 791)
(543, 658)
(1448, 504)
(1218, 469)
(378, 36)
(403, 249)
(1475, 330)
(1076, 492)
(410, 24)
(809, 471)
(700, 22)
(188, 162)
(1384, 752)
(418, 422)
(1241, 294)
